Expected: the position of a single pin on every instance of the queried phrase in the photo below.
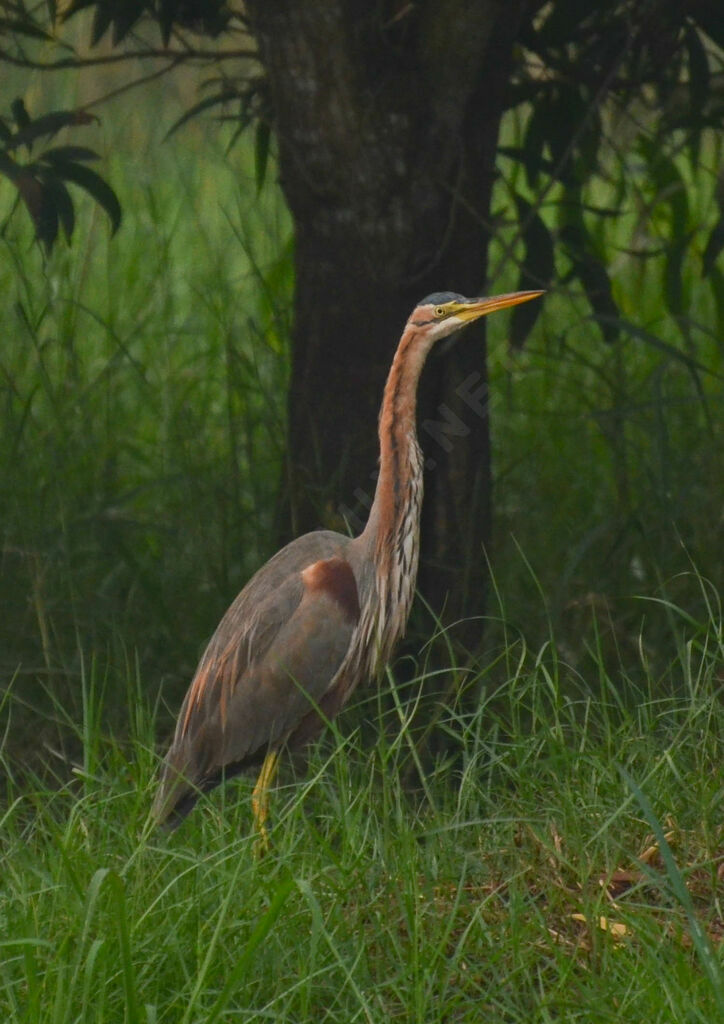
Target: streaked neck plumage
(391, 536)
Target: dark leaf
(714, 246)
(166, 13)
(261, 152)
(5, 133)
(65, 153)
(20, 115)
(561, 24)
(211, 101)
(126, 15)
(699, 79)
(96, 186)
(49, 124)
(58, 194)
(673, 281)
(23, 28)
(9, 168)
(46, 219)
(536, 270)
(593, 276)
(101, 20)
(671, 186)
(708, 16)
(77, 5)
(535, 136)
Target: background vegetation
(565, 862)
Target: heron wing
(270, 661)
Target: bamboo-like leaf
(68, 153)
(714, 246)
(125, 17)
(671, 186)
(60, 197)
(535, 135)
(96, 186)
(101, 20)
(210, 101)
(673, 278)
(19, 112)
(75, 6)
(699, 86)
(167, 9)
(536, 270)
(21, 27)
(46, 218)
(49, 124)
(593, 276)
(262, 139)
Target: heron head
(444, 312)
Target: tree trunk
(387, 130)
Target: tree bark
(387, 126)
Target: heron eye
(440, 311)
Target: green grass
(494, 891)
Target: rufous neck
(399, 454)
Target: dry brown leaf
(616, 929)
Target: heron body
(323, 614)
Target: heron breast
(334, 577)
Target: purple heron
(323, 614)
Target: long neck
(390, 538)
(400, 468)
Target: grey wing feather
(271, 659)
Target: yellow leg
(260, 801)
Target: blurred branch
(175, 56)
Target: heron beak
(474, 308)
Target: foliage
(614, 90)
(41, 183)
(657, 67)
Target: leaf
(75, 6)
(21, 27)
(593, 276)
(20, 114)
(65, 153)
(46, 218)
(673, 278)
(699, 86)
(58, 194)
(671, 188)
(49, 124)
(536, 270)
(125, 17)
(96, 186)
(166, 13)
(211, 101)
(714, 246)
(261, 152)
(616, 929)
(535, 134)
(101, 20)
